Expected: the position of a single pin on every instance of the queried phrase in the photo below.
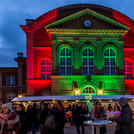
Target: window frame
(44, 67)
(108, 68)
(87, 57)
(10, 80)
(126, 69)
(88, 93)
(66, 57)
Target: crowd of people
(51, 120)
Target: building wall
(64, 85)
(44, 40)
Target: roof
(111, 97)
(37, 98)
(65, 11)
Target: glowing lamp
(20, 95)
(77, 91)
(100, 92)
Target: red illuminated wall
(128, 46)
(38, 49)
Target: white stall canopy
(111, 97)
(51, 98)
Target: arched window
(88, 90)
(45, 69)
(87, 62)
(127, 69)
(65, 61)
(110, 62)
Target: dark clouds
(14, 12)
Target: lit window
(11, 96)
(65, 62)
(110, 62)
(87, 62)
(127, 69)
(88, 90)
(11, 80)
(45, 70)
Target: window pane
(110, 62)
(88, 90)
(127, 69)
(11, 80)
(65, 62)
(87, 62)
(45, 69)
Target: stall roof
(111, 97)
(37, 98)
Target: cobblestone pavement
(72, 130)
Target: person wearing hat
(10, 122)
(124, 120)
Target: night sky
(14, 12)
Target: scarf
(7, 125)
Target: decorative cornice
(51, 17)
(84, 31)
(123, 19)
(89, 12)
(41, 21)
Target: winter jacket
(79, 115)
(59, 120)
(10, 126)
(43, 115)
(22, 116)
(124, 121)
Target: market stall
(112, 99)
(66, 100)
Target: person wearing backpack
(58, 118)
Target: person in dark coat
(124, 120)
(29, 117)
(22, 115)
(73, 114)
(59, 120)
(34, 117)
(43, 115)
(79, 118)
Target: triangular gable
(90, 13)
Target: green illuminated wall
(76, 37)
(63, 85)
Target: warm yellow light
(20, 95)
(29, 101)
(77, 91)
(100, 91)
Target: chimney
(20, 55)
(29, 21)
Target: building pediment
(86, 19)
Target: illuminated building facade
(80, 50)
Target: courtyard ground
(72, 130)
